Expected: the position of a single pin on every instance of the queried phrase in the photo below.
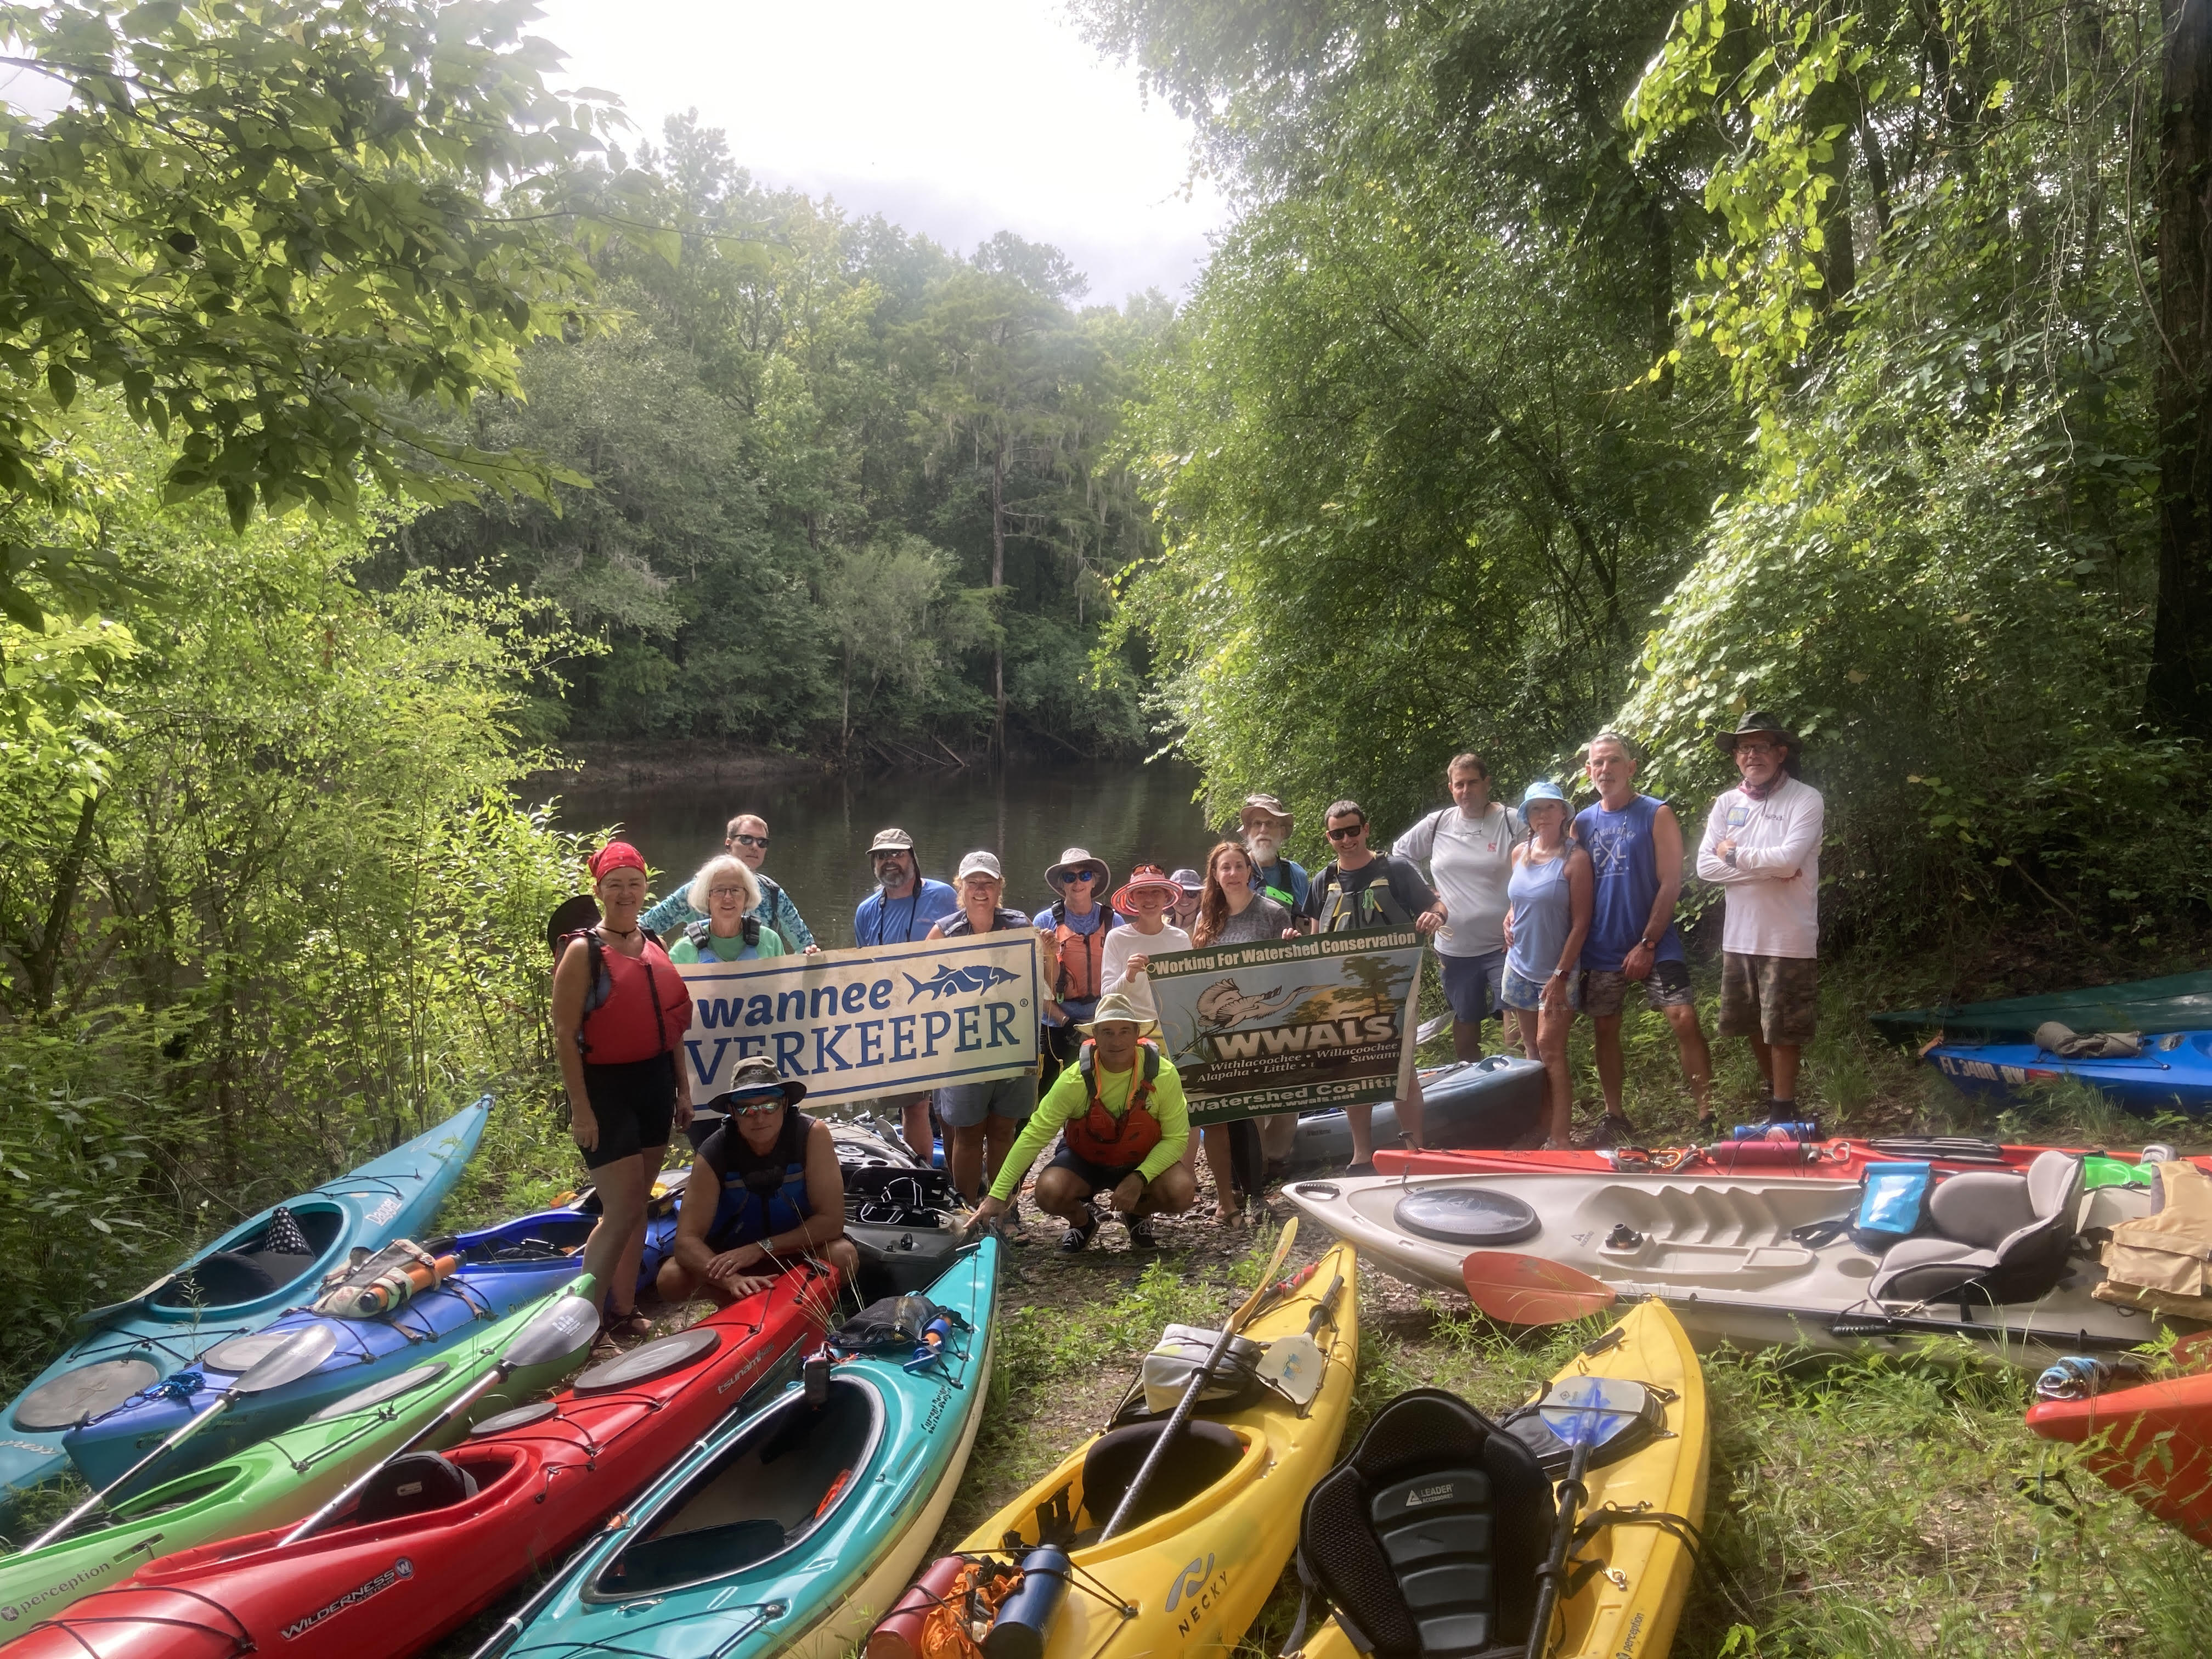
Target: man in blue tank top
(1635, 844)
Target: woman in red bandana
(620, 1010)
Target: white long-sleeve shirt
(1126, 942)
(1774, 885)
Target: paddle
(299, 1353)
(1199, 1378)
(558, 1330)
(1585, 1412)
(1531, 1290)
(1293, 1365)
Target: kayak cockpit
(254, 1264)
(1208, 1461)
(774, 1484)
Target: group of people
(1536, 913)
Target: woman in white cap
(983, 1117)
(1073, 928)
(1144, 899)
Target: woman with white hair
(725, 891)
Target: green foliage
(790, 400)
(280, 913)
(268, 226)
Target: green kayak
(284, 1478)
(2179, 1002)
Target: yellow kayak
(1628, 1608)
(1216, 1528)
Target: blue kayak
(232, 1288)
(793, 1529)
(362, 1352)
(2172, 1073)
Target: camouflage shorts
(1775, 999)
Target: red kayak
(437, 1553)
(1821, 1160)
(2154, 1442)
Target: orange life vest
(1082, 957)
(1099, 1136)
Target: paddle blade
(1292, 1366)
(568, 1324)
(1529, 1289)
(1593, 1411)
(302, 1352)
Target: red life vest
(1115, 1142)
(1082, 955)
(638, 1008)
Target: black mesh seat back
(414, 1484)
(1426, 1540)
(1202, 1455)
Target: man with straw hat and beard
(1073, 927)
(1762, 843)
(1123, 1124)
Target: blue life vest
(762, 1194)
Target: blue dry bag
(1893, 1205)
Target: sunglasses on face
(1084, 878)
(760, 842)
(757, 1107)
(1347, 832)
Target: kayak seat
(222, 1279)
(1206, 1453)
(1997, 1234)
(1426, 1540)
(414, 1484)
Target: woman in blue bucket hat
(1551, 892)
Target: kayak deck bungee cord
(235, 1286)
(537, 1480)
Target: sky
(956, 119)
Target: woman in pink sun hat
(1145, 900)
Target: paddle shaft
(222, 1404)
(476, 1391)
(1199, 1378)
(1555, 1562)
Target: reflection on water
(819, 827)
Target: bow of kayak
(232, 1288)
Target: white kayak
(2002, 1260)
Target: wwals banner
(1299, 1024)
(853, 1024)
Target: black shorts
(1103, 1178)
(635, 1105)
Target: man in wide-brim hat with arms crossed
(1763, 844)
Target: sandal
(622, 1324)
(1229, 1215)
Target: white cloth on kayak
(1774, 886)
(1469, 860)
(1126, 942)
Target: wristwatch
(1647, 943)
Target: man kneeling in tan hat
(1123, 1126)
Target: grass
(1879, 1506)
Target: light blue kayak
(792, 1530)
(232, 1288)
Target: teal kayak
(793, 1529)
(234, 1287)
(2179, 1002)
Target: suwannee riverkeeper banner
(1290, 1024)
(853, 1025)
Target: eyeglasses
(757, 1108)
(1349, 832)
(760, 842)
(725, 892)
(1757, 749)
(893, 854)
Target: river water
(819, 827)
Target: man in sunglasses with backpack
(746, 838)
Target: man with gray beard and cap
(902, 908)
